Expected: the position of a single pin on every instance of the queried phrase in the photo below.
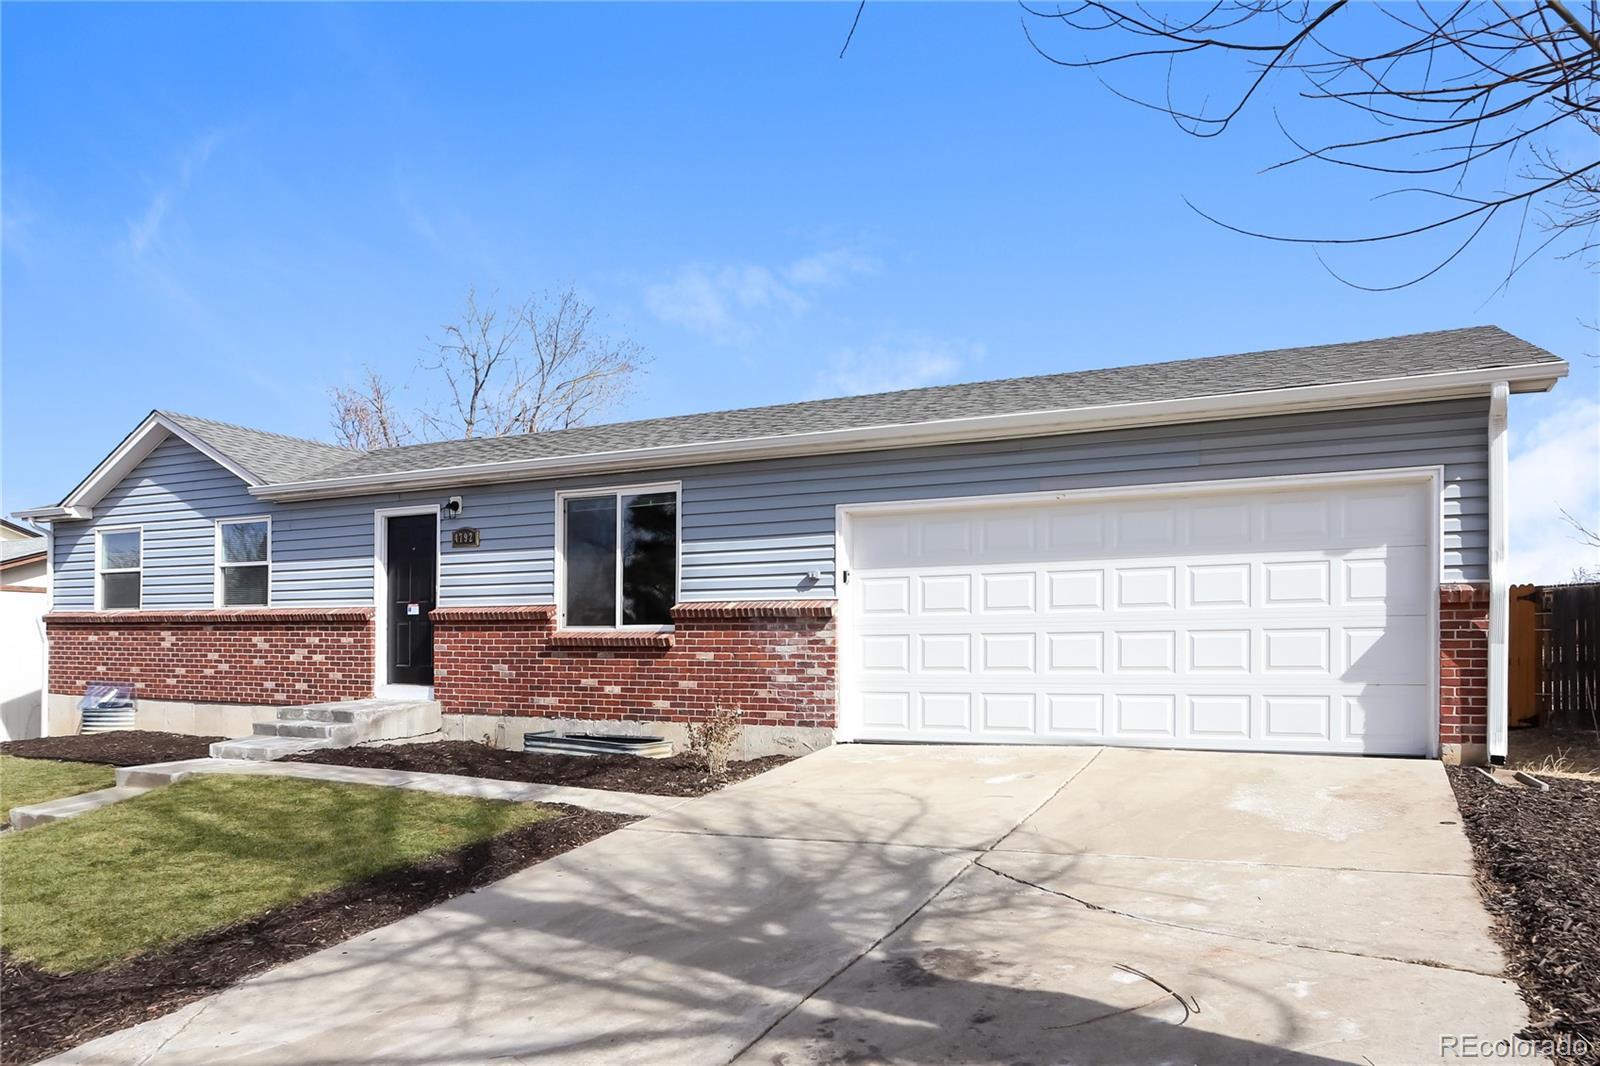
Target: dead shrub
(711, 741)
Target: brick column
(1464, 672)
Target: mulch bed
(46, 1014)
(1540, 877)
(679, 775)
(124, 747)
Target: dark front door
(413, 555)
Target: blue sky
(226, 210)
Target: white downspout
(44, 630)
(1499, 607)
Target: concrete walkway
(929, 905)
(595, 799)
(134, 781)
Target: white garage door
(1256, 620)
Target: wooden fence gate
(1554, 669)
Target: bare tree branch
(538, 365)
(1448, 87)
(365, 417)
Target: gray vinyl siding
(755, 529)
(175, 494)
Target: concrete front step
(342, 724)
(339, 733)
(265, 749)
(72, 806)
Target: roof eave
(1532, 377)
(134, 449)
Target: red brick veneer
(1463, 664)
(773, 661)
(264, 656)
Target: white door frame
(380, 598)
(848, 727)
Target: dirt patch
(123, 747)
(1558, 751)
(1539, 877)
(46, 1014)
(676, 776)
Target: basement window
(119, 569)
(618, 558)
(244, 553)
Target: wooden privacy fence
(1554, 675)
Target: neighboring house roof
(1420, 366)
(16, 552)
(15, 530)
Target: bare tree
(538, 365)
(1585, 536)
(1482, 109)
(364, 417)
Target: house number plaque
(464, 538)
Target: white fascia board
(133, 450)
(54, 514)
(1534, 377)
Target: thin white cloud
(1555, 465)
(889, 367)
(146, 229)
(726, 302)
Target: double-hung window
(619, 557)
(119, 569)
(244, 553)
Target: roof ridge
(253, 429)
(923, 390)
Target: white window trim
(618, 491)
(99, 569)
(218, 564)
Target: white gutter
(1531, 377)
(1499, 608)
(52, 514)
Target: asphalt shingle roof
(271, 457)
(21, 549)
(277, 459)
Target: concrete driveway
(924, 905)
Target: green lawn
(28, 781)
(212, 850)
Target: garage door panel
(945, 711)
(1223, 716)
(945, 653)
(1145, 715)
(945, 593)
(1075, 714)
(1220, 651)
(1217, 585)
(1146, 588)
(1293, 621)
(1151, 652)
(1075, 653)
(1388, 654)
(1007, 593)
(1075, 590)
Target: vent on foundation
(596, 744)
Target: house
(24, 598)
(1296, 550)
